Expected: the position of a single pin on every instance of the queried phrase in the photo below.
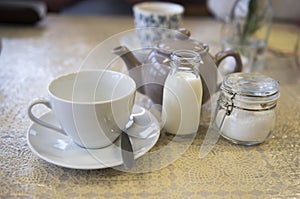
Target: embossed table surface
(32, 56)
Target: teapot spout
(127, 56)
(133, 66)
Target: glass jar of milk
(182, 95)
(246, 108)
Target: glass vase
(247, 27)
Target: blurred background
(30, 11)
(115, 7)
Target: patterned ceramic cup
(156, 21)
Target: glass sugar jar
(245, 111)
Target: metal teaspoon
(126, 147)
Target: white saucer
(60, 150)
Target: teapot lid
(181, 41)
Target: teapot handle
(220, 56)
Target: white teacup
(156, 21)
(92, 107)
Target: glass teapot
(151, 73)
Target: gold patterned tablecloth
(32, 56)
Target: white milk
(182, 100)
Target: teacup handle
(46, 103)
(220, 56)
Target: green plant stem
(252, 21)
